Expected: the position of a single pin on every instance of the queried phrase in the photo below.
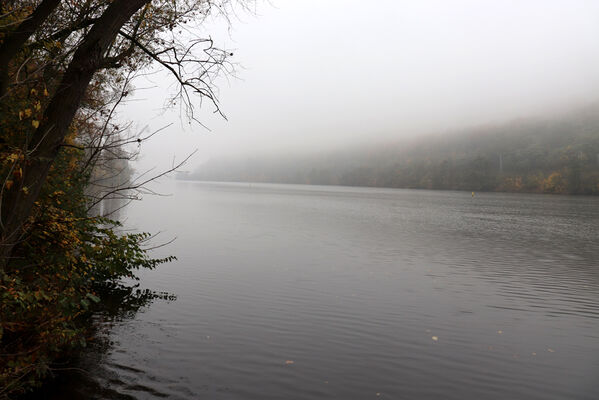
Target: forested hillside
(552, 155)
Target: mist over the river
(557, 154)
(315, 76)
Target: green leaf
(93, 298)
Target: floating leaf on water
(289, 362)
(500, 332)
(435, 338)
(551, 350)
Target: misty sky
(317, 74)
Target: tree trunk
(17, 38)
(47, 139)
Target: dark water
(298, 292)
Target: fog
(314, 75)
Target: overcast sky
(318, 74)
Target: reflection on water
(111, 207)
(86, 376)
(299, 292)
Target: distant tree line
(559, 155)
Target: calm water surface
(304, 292)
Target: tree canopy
(64, 65)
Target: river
(311, 292)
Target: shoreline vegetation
(68, 266)
(65, 69)
(559, 156)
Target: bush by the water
(52, 280)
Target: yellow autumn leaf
(8, 184)
(35, 123)
(28, 112)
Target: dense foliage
(558, 155)
(59, 265)
(65, 66)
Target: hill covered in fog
(552, 155)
